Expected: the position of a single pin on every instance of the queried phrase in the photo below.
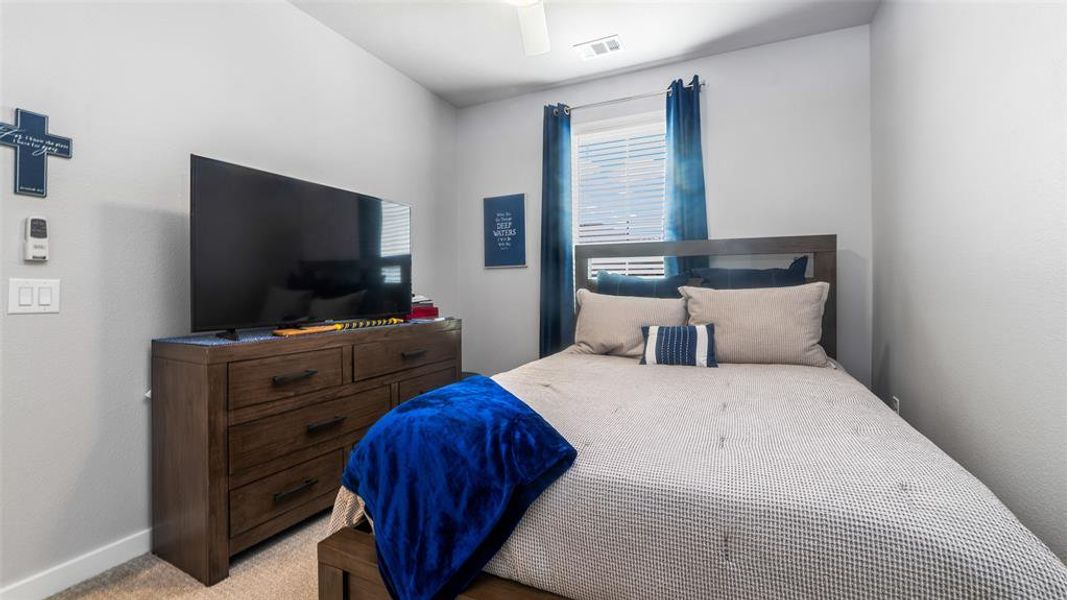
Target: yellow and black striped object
(359, 324)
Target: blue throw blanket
(446, 477)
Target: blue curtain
(557, 260)
(686, 210)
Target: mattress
(752, 482)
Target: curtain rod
(570, 109)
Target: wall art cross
(33, 145)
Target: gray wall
(970, 240)
(786, 149)
(969, 222)
(138, 90)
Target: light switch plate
(18, 287)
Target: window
(619, 189)
(396, 237)
(396, 229)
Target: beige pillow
(612, 324)
(765, 325)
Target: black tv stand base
(229, 334)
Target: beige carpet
(283, 568)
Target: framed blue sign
(505, 231)
(33, 145)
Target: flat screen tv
(271, 250)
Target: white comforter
(754, 482)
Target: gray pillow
(766, 325)
(612, 324)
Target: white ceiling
(471, 52)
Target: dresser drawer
(271, 496)
(266, 379)
(379, 358)
(409, 388)
(273, 437)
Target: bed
(749, 482)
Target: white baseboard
(78, 569)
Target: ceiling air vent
(600, 47)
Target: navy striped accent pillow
(692, 345)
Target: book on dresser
(250, 437)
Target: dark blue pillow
(614, 284)
(733, 279)
(692, 345)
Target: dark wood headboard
(823, 249)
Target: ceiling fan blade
(534, 28)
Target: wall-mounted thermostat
(36, 245)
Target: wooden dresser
(251, 437)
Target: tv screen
(270, 250)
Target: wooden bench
(348, 570)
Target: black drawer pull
(412, 353)
(291, 377)
(320, 425)
(303, 487)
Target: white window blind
(396, 229)
(618, 188)
(396, 237)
